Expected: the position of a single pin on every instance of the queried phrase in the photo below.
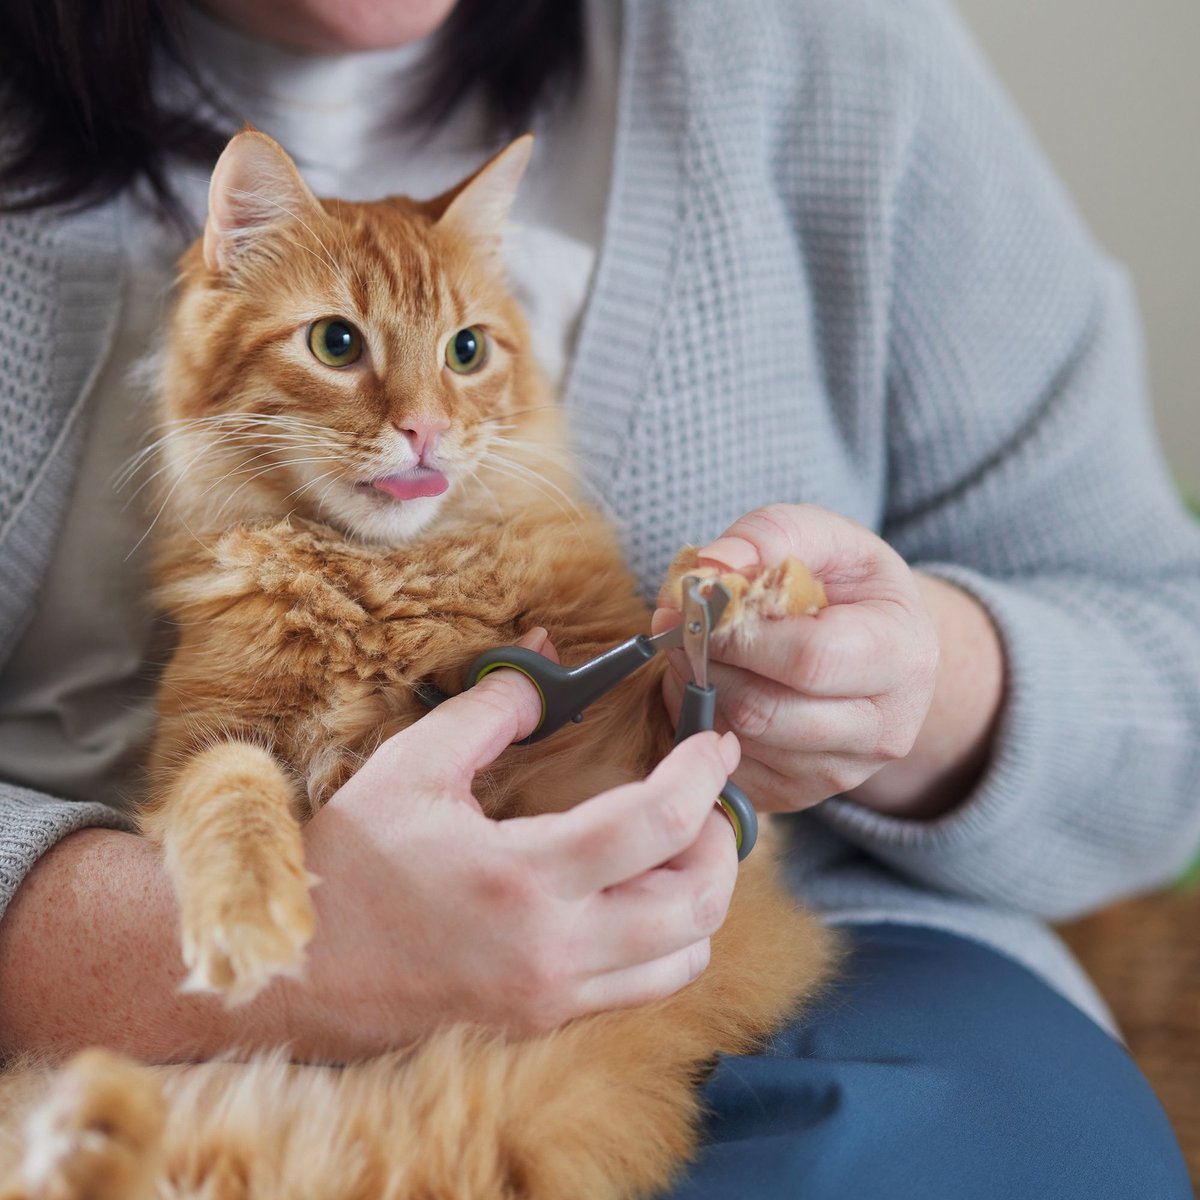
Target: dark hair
(81, 116)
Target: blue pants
(936, 1070)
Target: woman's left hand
(820, 703)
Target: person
(807, 288)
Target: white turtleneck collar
(340, 115)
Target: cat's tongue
(420, 481)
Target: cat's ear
(254, 185)
(479, 206)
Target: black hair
(81, 115)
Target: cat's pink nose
(422, 435)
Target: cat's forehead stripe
(401, 268)
(456, 301)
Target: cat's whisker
(499, 462)
(235, 470)
(240, 418)
(517, 412)
(243, 420)
(287, 462)
(132, 465)
(266, 471)
(531, 478)
(240, 425)
(476, 477)
(125, 477)
(266, 451)
(297, 492)
(152, 477)
(166, 500)
(273, 435)
(536, 450)
(249, 419)
(560, 457)
(213, 444)
(183, 472)
(320, 500)
(493, 456)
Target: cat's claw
(235, 946)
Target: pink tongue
(422, 481)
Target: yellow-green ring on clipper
(734, 819)
(542, 697)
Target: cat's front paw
(786, 590)
(97, 1134)
(238, 936)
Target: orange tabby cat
(320, 562)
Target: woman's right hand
(429, 911)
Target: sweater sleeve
(32, 822)
(1023, 467)
(59, 288)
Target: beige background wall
(1112, 90)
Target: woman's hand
(428, 911)
(823, 704)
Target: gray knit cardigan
(834, 270)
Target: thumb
(765, 537)
(471, 730)
(761, 538)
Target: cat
(323, 565)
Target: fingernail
(730, 554)
(731, 751)
(534, 639)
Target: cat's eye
(465, 351)
(335, 342)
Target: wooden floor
(1145, 958)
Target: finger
(631, 987)
(804, 780)
(765, 714)
(538, 639)
(621, 833)
(770, 534)
(844, 555)
(669, 908)
(837, 747)
(469, 731)
(843, 651)
(767, 536)
(547, 649)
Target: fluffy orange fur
(309, 604)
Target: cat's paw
(98, 1133)
(239, 935)
(786, 590)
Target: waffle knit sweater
(834, 270)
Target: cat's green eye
(466, 349)
(335, 342)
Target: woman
(793, 253)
